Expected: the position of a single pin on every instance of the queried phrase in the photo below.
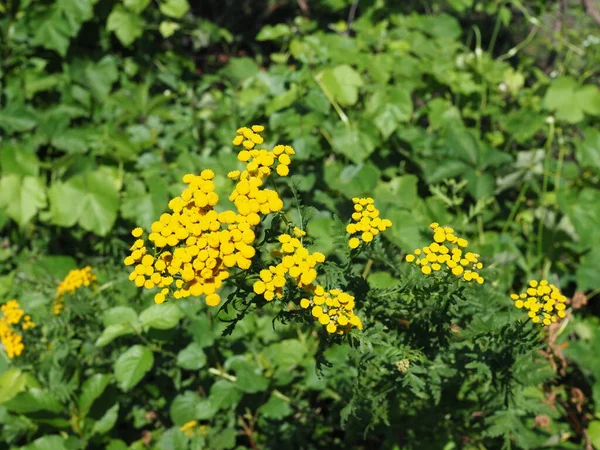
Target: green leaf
(162, 317)
(54, 32)
(50, 442)
(132, 365)
(249, 376)
(276, 408)
(17, 117)
(22, 197)
(588, 98)
(341, 83)
(12, 381)
(18, 161)
(390, 107)
(33, 400)
(112, 332)
(588, 149)
(91, 390)
(120, 315)
(192, 357)
(91, 199)
(183, 408)
(224, 394)
(587, 271)
(205, 410)
(107, 421)
(273, 32)
(594, 432)
(126, 26)
(174, 8)
(401, 192)
(356, 142)
(136, 6)
(168, 28)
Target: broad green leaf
(594, 432)
(22, 197)
(341, 83)
(12, 382)
(107, 421)
(49, 442)
(18, 161)
(54, 32)
(249, 376)
(33, 400)
(183, 408)
(120, 315)
(132, 365)
(275, 408)
(126, 25)
(100, 76)
(192, 357)
(91, 390)
(77, 12)
(588, 97)
(112, 332)
(136, 6)
(163, 317)
(90, 199)
(273, 32)
(389, 108)
(400, 192)
(587, 271)
(356, 142)
(588, 149)
(17, 117)
(224, 394)
(168, 28)
(205, 410)
(174, 8)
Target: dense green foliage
(479, 115)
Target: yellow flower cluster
(447, 251)
(296, 262)
(333, 309)
(75, 279)
(12, 315)
(544, 301)
(205, 244)
(366, 221)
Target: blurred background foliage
(479, 114)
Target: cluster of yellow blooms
(12, 315)
(544, 302)
(333, 309)
(366, 221)
(75, 279)
(446, 250)
(205, 245)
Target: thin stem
(367, 269)
(548, 148)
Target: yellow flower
(445, 253)
(76, 279)
(194, 247)
(11, 315)
(543, 301)
(366, 221)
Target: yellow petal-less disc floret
(366, 222)
(543, 301)
(446, 253)
(192, 249)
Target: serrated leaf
(111, 332)
(341, 83)
(174, 8)
(120, 315)
(183, 408)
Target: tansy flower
(544, 302)
(11, 315)
(366, 223)
(74, 280)
(195, 248)
(333, 309)
(447, 254)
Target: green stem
(548, 150)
